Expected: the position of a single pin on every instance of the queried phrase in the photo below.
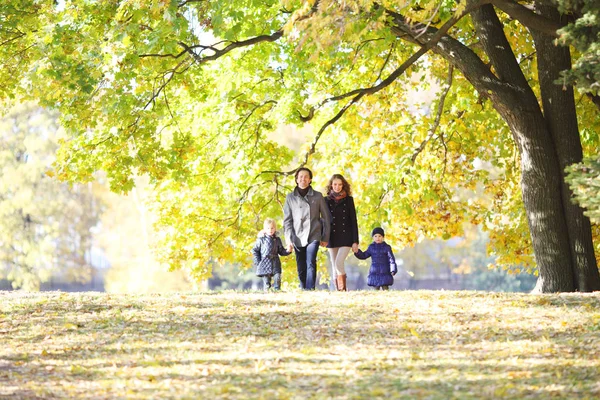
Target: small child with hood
(266, 254)
(383, 263)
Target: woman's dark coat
(344, 228)
(383, 264)
(266, 252)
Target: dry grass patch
(297, 345)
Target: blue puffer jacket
(266, 252)
(383, 264)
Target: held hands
(290, 247)
(324, 244)
(354, 247)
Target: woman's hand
(324, 244)
(290, 247)
(354, 247)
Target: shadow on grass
(257, 345)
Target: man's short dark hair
(302, 169)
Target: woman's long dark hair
(345, 184)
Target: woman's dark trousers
(306, 261)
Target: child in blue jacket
(383, 263)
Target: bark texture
(561, 119)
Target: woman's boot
(341, 283)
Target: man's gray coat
(306, 219)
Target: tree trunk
(561, 119)
(541, 187)
(541, 180)
(542, 173)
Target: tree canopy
(191, 93)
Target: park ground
(300, 345)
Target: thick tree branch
(459, 55)
(244, 43)
(432, 41)
(527, 17)
(217, 53)
(359, 93)
(496, 46)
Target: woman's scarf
(337, 196)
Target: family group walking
(311, 220)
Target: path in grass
(401, 344)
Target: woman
(344, 228)
(306, 225)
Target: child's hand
(394, 273)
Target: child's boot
(266, 283)
(277, 282)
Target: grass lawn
(297, 345)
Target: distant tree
(44, 224)
(470, 258)
(127, 238)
